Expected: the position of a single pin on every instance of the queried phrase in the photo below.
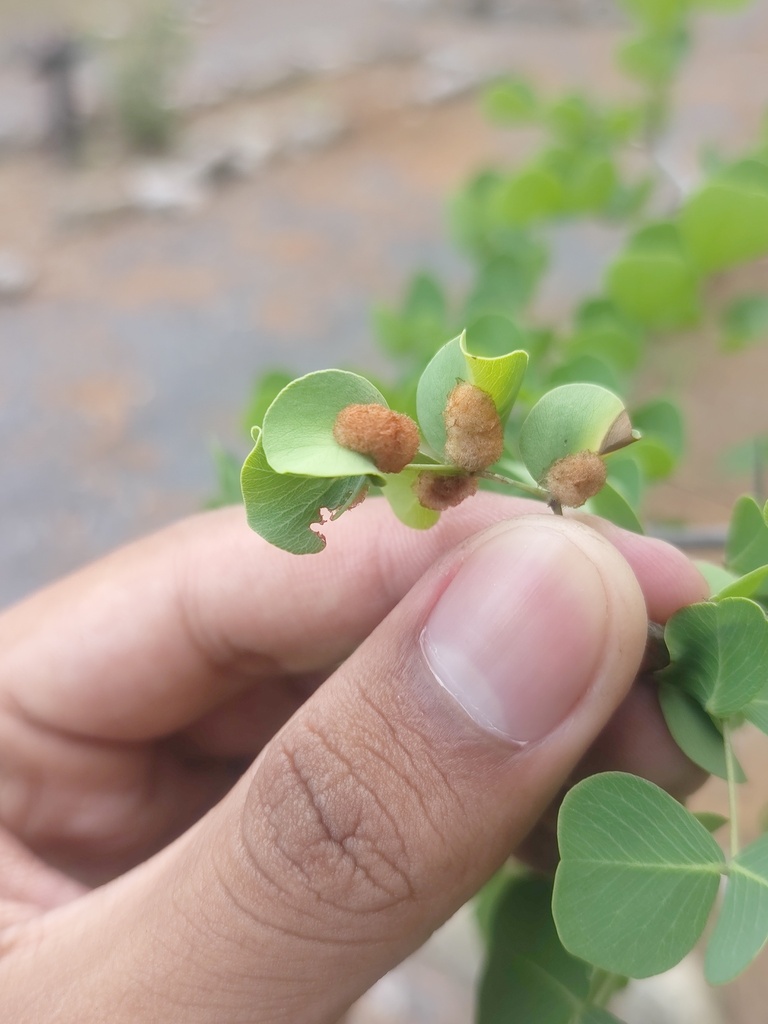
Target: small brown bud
(390, 439)
(439, 491)
(474, 433)
(574, 479)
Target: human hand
(134, 696)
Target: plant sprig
(330, 436)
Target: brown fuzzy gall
(574, 479)
(390, 439)
(474, 434)
(439, 492)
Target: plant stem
(532, 489)
(730, 771)
(603, 987)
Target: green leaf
(603, 332)
(745, 321)
(584, 370)
(298, 426)
(486, 902)
(267, 388)
(637, 878)
(753, 585)
(654, 58)
(398, 490)
(746, 547)
(493, 335)
(528, 975)
(500, 376)
(506, 283)
(283, 508)
(228, 479)
(654, 458)
(719, 652)
(742, 925)
(510, 101)
(662, 420)
(533, 194)
(575, 119)
(420, 326)
(726, 222)
(625, 476)
(446, 367)
(712, 822)
(654, 281)
(610, 504)
(716, 576)
(658, 15)
(570, 419)
(588, 180)
(694, 731)
(425, 299)
(756, 711)
(596, 1015)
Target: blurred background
(193, 193)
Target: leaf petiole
(499, 478)
(733, 803)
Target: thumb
(389, 798)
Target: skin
(223, 767)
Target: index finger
(144, 642)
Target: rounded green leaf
(446, 367)
(601, 331)
(654, 281)
(657, 14)
(266, 390)
(753, 584)
(746, 547)
(532, 194)
(570, 419)
(711, 821)
(298, 426)
(756, 711)
(500, 376)
(694, 731)
(653, 457)
(510, 101)
(716, 576)
(654, 58)
(283, 508)
(528, 975)
(742, 924)
(492, 335)
(719, 652)
(662, 420)
(587, 369)
(726, 223)
(637, 878)
(610, 504)
(398, 490)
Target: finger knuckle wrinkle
(323, 828)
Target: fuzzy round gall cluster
(575, 479)
(390, 439)
(474, 435)
(439, 491)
